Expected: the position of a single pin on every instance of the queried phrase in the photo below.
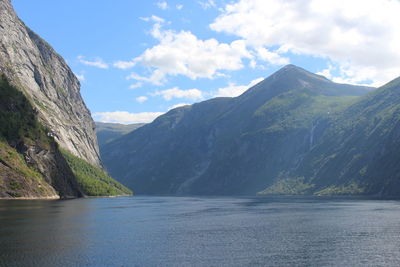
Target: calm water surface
(191, 231)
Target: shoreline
(31, 198)
(58, 197)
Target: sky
(138, 59)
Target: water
(190, 231)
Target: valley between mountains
(294, 133)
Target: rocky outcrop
(52, 179)
(48, 146)
(33, 67)
(31, 165)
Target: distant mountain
(107, 132)
(239, 145)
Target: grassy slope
(360, 151)
(299, 108)
(94, 181)
(17, 179)
(20, 128)
(358, 154)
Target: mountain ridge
(359, 149)
(107, 132)
(218, 146)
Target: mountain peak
(292, 77)
(293, 71)
(287, 78)
(291, 66)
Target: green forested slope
(92, 180)
(31, 164)
(360, 151)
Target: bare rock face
(34, 67)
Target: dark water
(169, 231)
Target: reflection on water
(185, 231)
(36, 233)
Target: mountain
(48, 146)
(359, 152)
(231, 145)
(31, 164)
(32, 65)
(107, 132)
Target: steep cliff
(34, 67)
(48, 147)
(31, 165)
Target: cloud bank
(360, 37)
(125, 117)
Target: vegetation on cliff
(92, 180)
(19, 128)
(24, 141)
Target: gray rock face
(32, 65)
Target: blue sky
(138, 59)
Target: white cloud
(271, 57)
(97, 62)
(80, 77)
(142, 99)
(162, 5)
(182, 53)
(175, 92)
(234, 90)
(346, 73)
(327, 72)
(361, 36)
(179, 7)
(178, 106)
(121, 64)
(125, 117)
(153, 18)
(135, 85)
(156, 78)
(124, 64)
(253, 64)
(207, 4)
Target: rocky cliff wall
(34, 67)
